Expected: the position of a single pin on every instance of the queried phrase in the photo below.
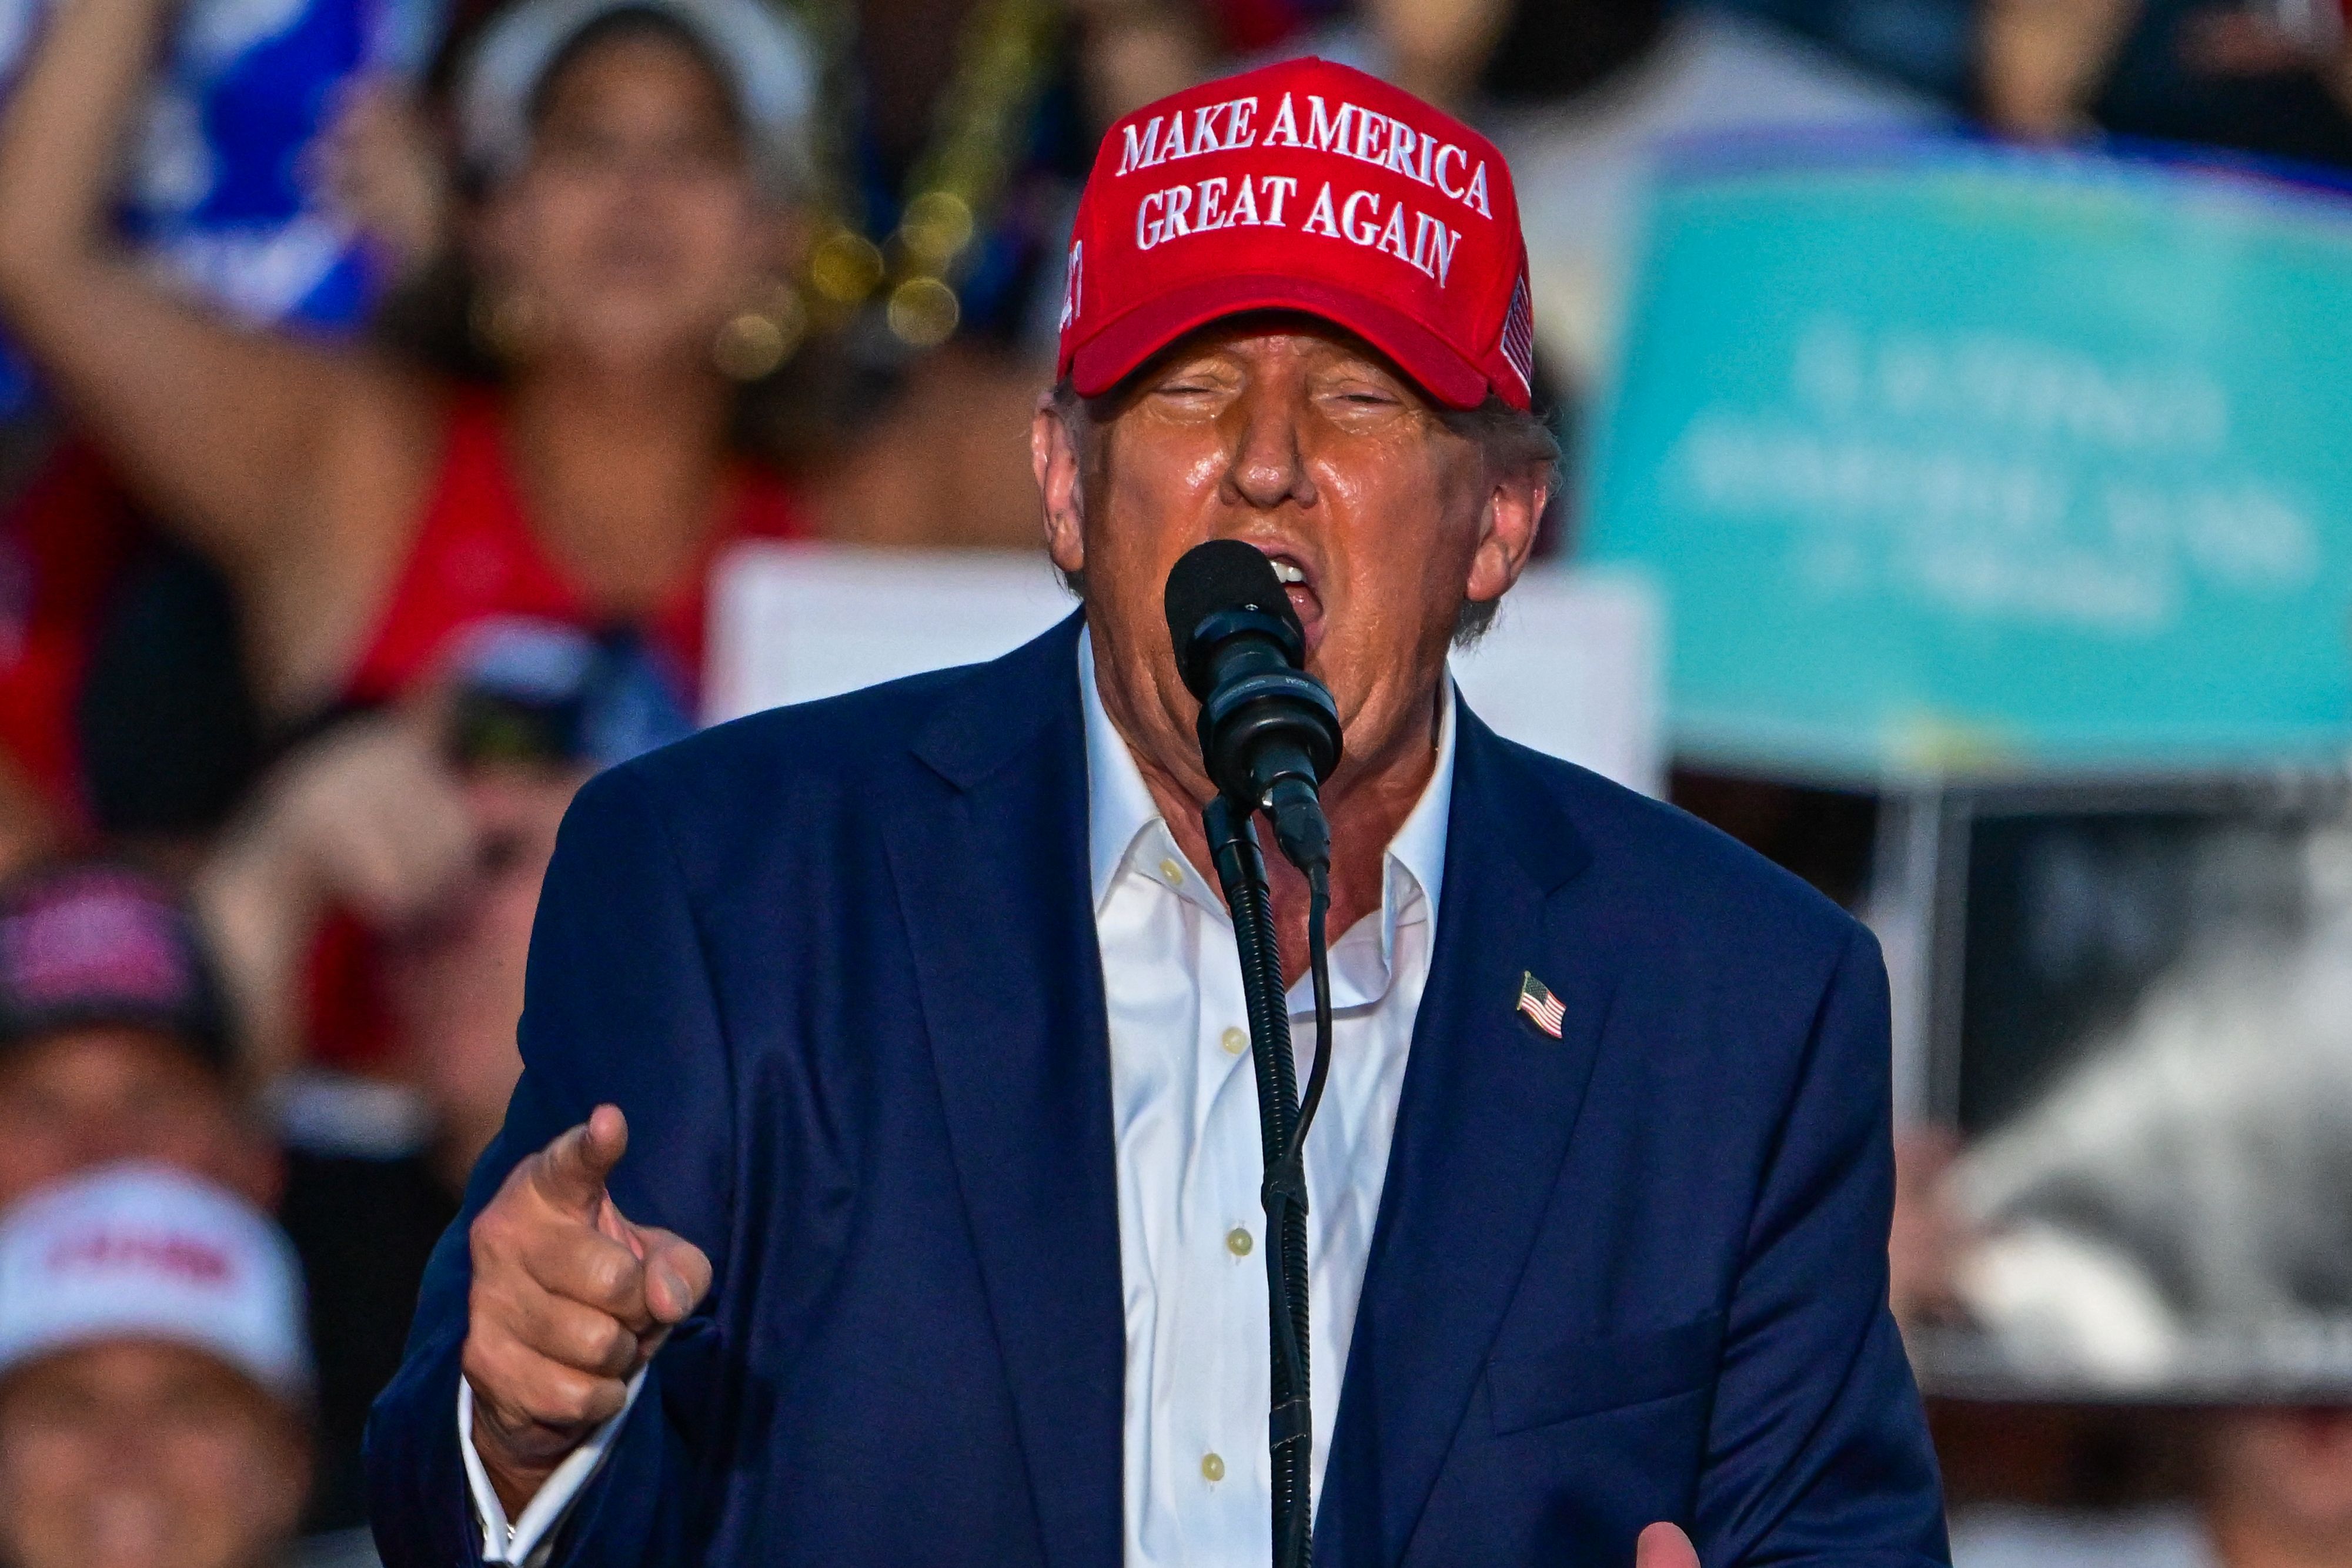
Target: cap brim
(1108, 357)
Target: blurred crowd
(380, 383)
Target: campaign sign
(1958, 460)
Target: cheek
(43, 1467)
(1407, 542)
(49, 1481)
(720, 225)
(1157, 500)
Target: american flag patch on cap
(1544, 1010)
(1519, 334)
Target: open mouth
(1299, 581)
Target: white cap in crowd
(760, 48)
(142, 1251)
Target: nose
(1269, 468)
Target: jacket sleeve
(1818, 1451)
(618, 1007)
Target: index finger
(570, 1173)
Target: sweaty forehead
(1270, 337)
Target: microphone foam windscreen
(1223, 574)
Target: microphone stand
(1283, 1120)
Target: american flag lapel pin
(1543, 1009)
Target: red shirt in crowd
(475, 557)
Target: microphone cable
(1284, 1118)
(1299, 1547)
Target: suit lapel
(992, 877)
(1482, 1129)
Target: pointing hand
(569, 1298)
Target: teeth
(1289, 571)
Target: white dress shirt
(1198, 1483)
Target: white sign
(1571, 667)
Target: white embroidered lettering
(1212, 203)
(1348, 219)
(1402, 139)
(1245, 207)
(1180, 203)
(1449, 150)
(1321, 214)
(1136, 152)
(1439, 260)
(1241, 126)
(1284, 131)
(1278, 187)
(1329, 135)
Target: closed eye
(1364, 400)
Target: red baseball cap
(1307, 186)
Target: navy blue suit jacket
(838, 965)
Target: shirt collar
(1120, 809)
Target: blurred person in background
(2167, 1226)
(154, 1385)
(435, 820)
(941, 160)
(1929, 45)
(2267, 77)
(114, 1043)
(119, 645)
(638, 159)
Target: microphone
(1269, 731)
(1269, 736)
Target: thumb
(1664, 1545)
(677, 1274)
(569, 1172)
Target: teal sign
(1958, 460)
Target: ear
(1054, 459)
(1515, 507)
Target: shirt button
(1238, 1242)
(1234, 1041)
(1172, 871)
(1213, 1469)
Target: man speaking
(883, 1185)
